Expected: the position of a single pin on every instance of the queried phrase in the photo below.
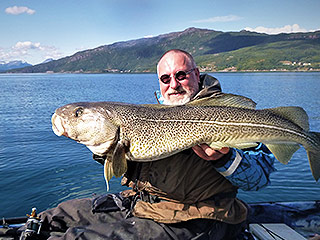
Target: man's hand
(207, 153)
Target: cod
(120, 132)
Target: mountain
(4, 66)
(213, 50)
(295, 55)
(48, 60)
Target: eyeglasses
(180, 75)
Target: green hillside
(213, 50)
(283, 55)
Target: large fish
(122, 132)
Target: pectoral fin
(283, 152)
(119, 163)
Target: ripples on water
(40, 169)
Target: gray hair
(188, 56)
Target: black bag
(110, 202)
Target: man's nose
(174, 83)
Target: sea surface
(39, 169)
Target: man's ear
(197, 72)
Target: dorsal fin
(295, 114)
(225, 99)
(219, 99)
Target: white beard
(186, 98)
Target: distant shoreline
(144, 72)
(153, 72)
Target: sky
(35, 30)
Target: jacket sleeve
(248, 169)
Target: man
(177, 92)
(190, 195)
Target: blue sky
(34, 30)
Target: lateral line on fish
(233, 124)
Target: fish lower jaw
(100, 149)
(57, 132)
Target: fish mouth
(57, 125)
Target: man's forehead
(174, 60)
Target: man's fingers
(199, 151)
(224, 150)
(207, 153)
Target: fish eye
(78, 112)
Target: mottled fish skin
(148, 133)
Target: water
(40, 169)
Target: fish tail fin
(108, 172)
(283, 152)
(315, 136)
(314, 155)
(314, 164)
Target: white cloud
(228, 18)
(16, 10)
(30, 52)
(26, 45)
(285, 29)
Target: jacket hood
(208, 86)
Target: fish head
(88, 124)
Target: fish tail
(314, 155)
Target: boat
(302, 217)
(278, 220)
